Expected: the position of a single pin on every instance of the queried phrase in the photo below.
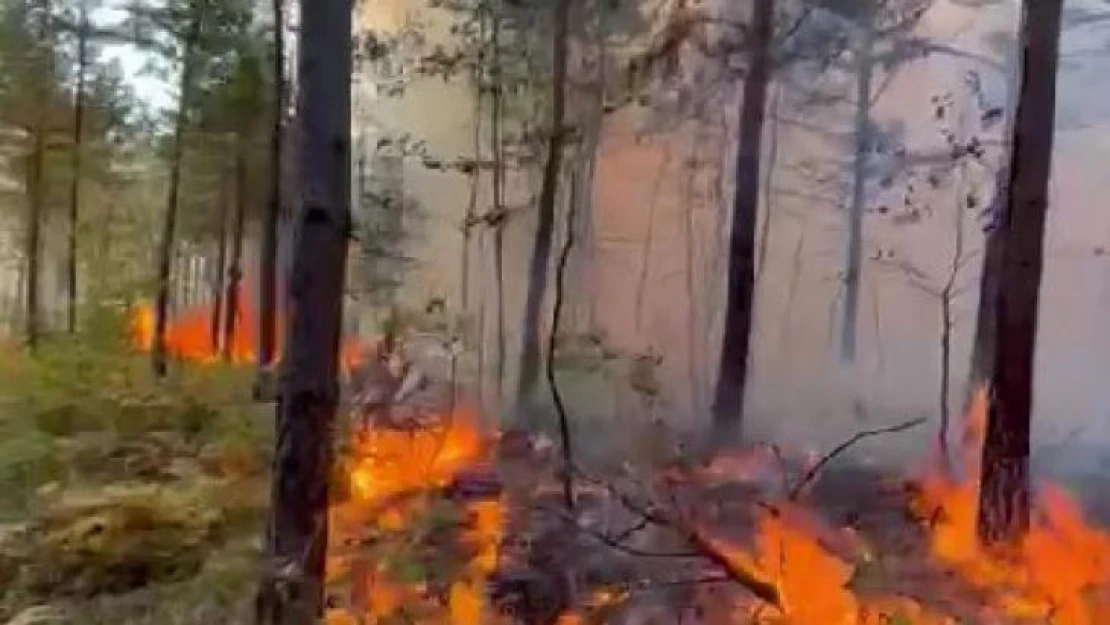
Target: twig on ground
(741, 573)
(813, 471)
(615, 543)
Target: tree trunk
(498, 201)
(235, 267)
(296, 541)
(728, 405)
(1004, 487)
(36, 182)
(268, 274)
(982, 353)
(218, 278)
(36, 171)
(75, 182)
(169, 224)
(854, 262)
(545, 225)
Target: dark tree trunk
(982, 350)
(221, 264)
(169, 224)
(75, 182)
(1004, 487)
(268, 275)
(545, 225)
(297, 536)
(235, 267)
(728, 405)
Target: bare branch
(841, 448)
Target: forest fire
(403, 497)
(406, 497)
(190, 335)
(1060, 572)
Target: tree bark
(292, 590)
(218, 278)
(235, 267)
(854, 264)
(545, 225)
(35, 181)
(268, 275)
(169, 224)
(1004, 487)
(75, 182)
(728, 404)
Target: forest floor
(123, 500)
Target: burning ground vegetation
(438, 518)
(445, 522)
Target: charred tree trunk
(235, 267)
(292, 590)
(728, 404)
(75, 182)
(982, 351)
(268, 274)
(169, 224)
(545, 225)
(218, 278)
(1004, 487)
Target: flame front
(188, 335)
(1059, 573)
(395, 480)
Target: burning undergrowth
(440, 521)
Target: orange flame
(390, 474)
(1052, 573)
(189, 337)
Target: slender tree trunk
(36, 173)
(268, 275)
(75, 182)
(235, 267)
(218, 277)
(545, 225)
(169, 224)
(728, 405)
(297, 536)
(1004, 487)
(854, 263)
(498, 199)
(768, 181)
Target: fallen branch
(741, 573)
(811, 474)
